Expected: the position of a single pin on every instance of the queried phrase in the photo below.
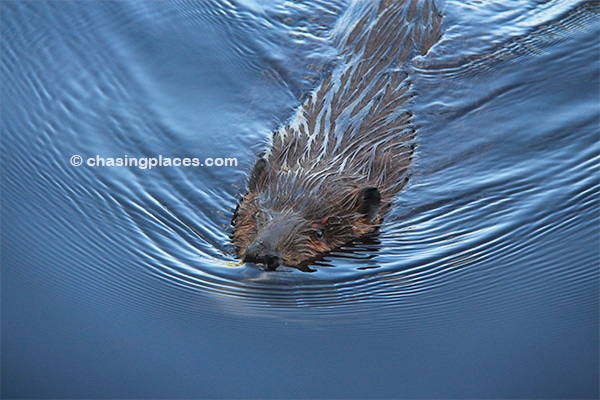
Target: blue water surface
(121, 281)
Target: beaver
(331, 174)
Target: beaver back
(331, 173)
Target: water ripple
(486, 216)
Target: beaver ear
(258, 173)
(369, 202)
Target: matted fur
(331, 174)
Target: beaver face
(276, 228)
(284, 239)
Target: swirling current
(488, 260)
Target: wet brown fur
(332, 173)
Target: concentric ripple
(502, 203)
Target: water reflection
(488, 261)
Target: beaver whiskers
(331, 174)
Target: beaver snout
(263, 253)
(272, 246)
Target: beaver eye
(319, 235)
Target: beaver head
(294, 217)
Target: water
(122, 282)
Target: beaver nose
(260, 253)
